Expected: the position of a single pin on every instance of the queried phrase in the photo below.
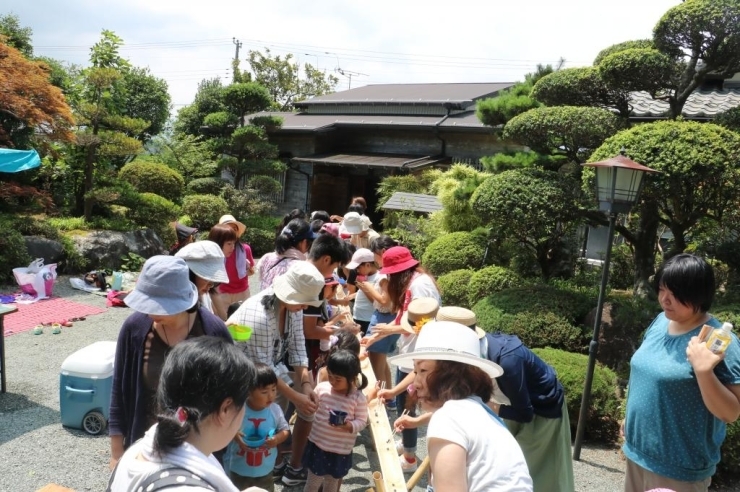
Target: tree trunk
(644, 249)
(679, 241)
(90, 174)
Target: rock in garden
(106, 249)
(40, 247)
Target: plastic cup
(337, 417)
(240, 333)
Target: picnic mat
(45, 311)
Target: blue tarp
(13, 161)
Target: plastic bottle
(720, 338)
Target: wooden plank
(391, 474)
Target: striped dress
(329, 438)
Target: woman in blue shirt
(681, 395)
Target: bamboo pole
(423, 467)
(378, 479)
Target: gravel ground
(36, 450)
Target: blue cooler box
(85, 385)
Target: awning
(13, 161)
(391, 161)
(413, 202)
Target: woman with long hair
(470, 448)
(201, 398)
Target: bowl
(254, 441)
(240, 333)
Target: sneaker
(390, 404)
(406, 466)
(293, 477)
(279, 469)
(399, 446)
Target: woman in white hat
(205, 259)
(469, 447)
(166, 308)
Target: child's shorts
(385, 345)
(322, 462)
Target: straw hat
(163, 287)
(229, 219)
(206, 260)
(419, 309)
(301, 284)
(460, 315)
(450, 341)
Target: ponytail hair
(346, 364)
(198, 376)
(293, 233)
(382, 243)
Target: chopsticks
(393, 435)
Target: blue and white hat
(163, 287)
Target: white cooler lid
(94, 361)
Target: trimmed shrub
(415, 232)
(730, 312)
(264, 222)
(454, 252)
(260, 241)
(151, 177)
(13, 254)
(545, 330)
(454, 288)
(204, 210)
(540, 298)
(491, 279)
(206, 186)
(156, 213)
(603, 413)
(730, 450)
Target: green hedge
(260, 241)
(204, 210)
(454, 252)
(151, 177)
(489, 280)
(13, 254)
(206, 186)
(454, 288)
(539, 298)
(156, 213)
(264, 222)
(603, 413)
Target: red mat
(48, 310)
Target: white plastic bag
(36, 279)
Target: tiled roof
(396, 161)
(316, 122)
(701, 104)
(413, 202)
(410, 94)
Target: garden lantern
(619, 181)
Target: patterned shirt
(273, 265)
(328, 437)
(266, 345)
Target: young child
(342, 414)
(363, 262)
(263, 419)
(342, 339)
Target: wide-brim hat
(301, 284)
(362, 255)
(450, 341)
(229, 219)
(397, 259)
(419, 309)
(353, 223)
(163, 287)
(460, 315)
(206, 260)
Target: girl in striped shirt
(341, 415)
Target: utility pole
(348, 74)
(235, 64)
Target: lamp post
(619, 181)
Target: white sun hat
(301, 284)
(362, 255)
(447, 340)
(353, 223)
(206, 260)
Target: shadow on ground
(19, 415)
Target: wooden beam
(391, 475)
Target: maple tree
(29, 104)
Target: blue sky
(399, 41)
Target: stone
(41, 247)
(106, 249)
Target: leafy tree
(454, 189)
(145, 97)
(208, 100)
(699, 164)
(581, 87)
(505, 161)
(729, 119)
(535, 208)
(625, 45)
(513, 101)
(281, 77)
(690, 41)
(29, 103)
(16, 36)
(246, 98)
(564, 130)
(189, 155)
